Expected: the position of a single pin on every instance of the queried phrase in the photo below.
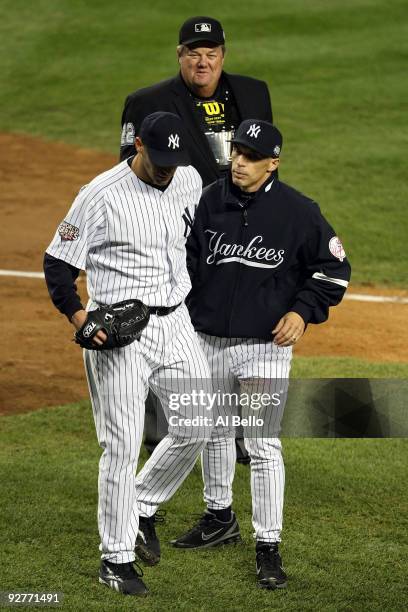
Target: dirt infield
(40, 365)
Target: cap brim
(248, 146)
(245, 144)
(192, 41)
(168, 159)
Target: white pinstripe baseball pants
(249, 366)
(169, 358)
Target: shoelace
(270, 557)
(160, 516)
(149, 523)
(130, 569)
(204, 520)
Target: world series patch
(336, 248)
(68, 231)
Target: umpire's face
(201, 68)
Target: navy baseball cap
(201, 29)
(260, 136)
(164, 136)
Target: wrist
(79, 318)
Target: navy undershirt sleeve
(60, 278)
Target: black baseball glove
(123, 323)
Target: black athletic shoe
(147, 543)
(269, 567)
(208, 532)
(122, 577)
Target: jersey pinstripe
(167, 358)
(248, 366)
(130, 237)
(237, 365)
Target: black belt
(162, 311)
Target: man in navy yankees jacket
(264, 264)
(211, 103)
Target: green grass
(345, 367)
(344, 539)
(336, 70)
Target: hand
(289, 330)
(79, 318)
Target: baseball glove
(123, 323)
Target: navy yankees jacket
(252, 261)
(251, 97)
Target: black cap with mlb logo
(164, 136)
(201, 29)
(260, 136)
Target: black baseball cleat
(208, 532)
(147, 543)
(269, 566)
(122, 577)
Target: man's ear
(138, 144)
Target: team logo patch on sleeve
(336, 248)
(68, 231)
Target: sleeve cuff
(303, 310)
(71, 306)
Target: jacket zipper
(245, 213)
(244, 225)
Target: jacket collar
(184, 105)
(236, 83)
(231, 193)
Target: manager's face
(201, 67)
(249, 169)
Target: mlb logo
(203, 27)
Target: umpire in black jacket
(212, 104)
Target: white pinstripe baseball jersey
(115, 230)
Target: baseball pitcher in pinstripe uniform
(128, 230)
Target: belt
(162, 311)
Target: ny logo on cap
(254, 130)
(202, 27)
(174, 141)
